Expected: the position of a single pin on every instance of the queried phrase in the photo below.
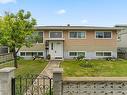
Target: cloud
(7, 1)
(62, 11)
(84, 21)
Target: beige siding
(90, 43)
(35, 47)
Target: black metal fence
(32, 85)
(6, 57)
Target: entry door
(56, 49)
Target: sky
(73, 12)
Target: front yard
(97, 68)
(26, 67)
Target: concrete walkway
(48, 69)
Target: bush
(110, 58)
(48, 56)
(86, 64)
(80, 58)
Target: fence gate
(32, 85)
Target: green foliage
(14, 28)
(80, 57)
(86, 64)
(48, 56)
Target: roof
(76, 28)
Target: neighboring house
(122, 37)
(122, 40)
(72, 41)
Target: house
(67, 42)
(122, 40)
(122, 37)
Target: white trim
(103, 38)
(77, 52)
(55, 31)
(77, 38)
(30, 51)
(103, 53)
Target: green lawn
(96, 68)
(27, 66)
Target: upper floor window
(56, 34)
(103, 34)
(77, 35)
(40, 37)
(36, 37)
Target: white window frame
(103, 32)
(55, 31)
(103, 53)
(77, 37)
(30, 51)
(77, 53)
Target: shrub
(80, 58)
(86, 64)
(48, 56)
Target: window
(40, 37)
(28, 53)
(51, 46)
(76, 53)
(81, 54)
(73, 54)
(77, 34)
(22, 53)
(34, 53)
(40, 53)
(73, 34)
(99, 53)
(55, 34)
(103, 34)
(104, 54)
(107, 53)
(36, 37)
(31, 53)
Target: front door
(56, 49)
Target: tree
(16, 30)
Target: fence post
(6, 75)
(57, 81)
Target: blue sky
(74, 12)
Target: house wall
(90, 44)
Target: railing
(32, 85)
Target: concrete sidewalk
(48, 69)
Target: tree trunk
(15, 58)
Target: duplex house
(66, 42)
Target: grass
(99, 68)
(26, 67)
